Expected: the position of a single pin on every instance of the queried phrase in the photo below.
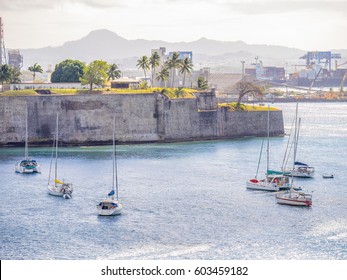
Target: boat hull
(59, 190)
(254, 184)
(296, 199)
(302, 174)
(302, 171)
(24, 170)
(109, 208)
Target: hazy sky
(304, 24)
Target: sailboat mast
(114, 175)
(295, 134)
(26, 134)
(261, 152)
(297, 139)
(115, 155)
(268, 139)
(295, 144)
(56, 152)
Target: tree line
(98, 71)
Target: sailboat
(58, 187)
(299, 169)
(293, 197)
(272, 182)
(110, 206)
(27, 165)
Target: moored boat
(27, 165)
(57, 187)
(302, 170)
(294, 198)
(110, 206)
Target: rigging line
(261, 151)
(285, 158)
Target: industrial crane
(344, 76)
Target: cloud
(25, 5)
(254, 7)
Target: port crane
(344, 76)
(315, 78)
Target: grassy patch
(170, 93)
(245, 107)
(23, 92)
(173, 93)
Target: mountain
(107, 45)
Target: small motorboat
(328, 176)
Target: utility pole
(2, 45)
(243, 68)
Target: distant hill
(107, 45)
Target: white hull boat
(302, 170)
(28, 166)
(271, 182)
(58, 188)
(110, 206)
(62, 190)
(294, 198)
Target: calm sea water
(181, 201)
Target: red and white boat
(294, 198)
(272, 183)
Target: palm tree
(202, 83)
(154, 61)
(114, 72)
(186, 66)
(173, 63)
(14, 75)
(4, 74)
(163, 75)
(35, 68)
(143, 63)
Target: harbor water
(182, 200)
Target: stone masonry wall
(87, 119)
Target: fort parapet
(87, 119)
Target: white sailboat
(273, 182)
(110, 206)
(299, 169)
(302, 170)
(27, 165)
(293, 197)
(57, 187)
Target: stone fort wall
(87, 119)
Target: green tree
(186, 66)
(143, 63)
(14, 76)
(4, 75)
(114, 72)
(35, 69)
(68, 71)
(163, 75)
(174, 63)
(154, 62)
(95, 73)
(202, 83)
